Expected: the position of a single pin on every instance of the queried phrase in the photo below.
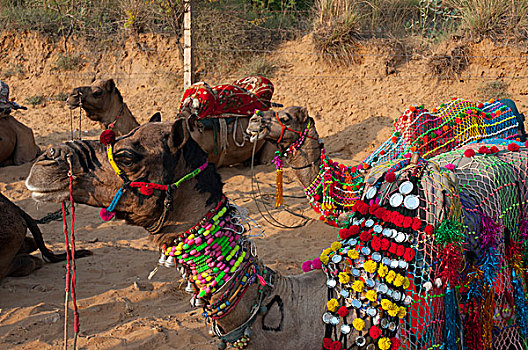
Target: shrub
(495, 89)
(35, 100)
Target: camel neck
(306, 160)
(122, 120)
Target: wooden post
(188, 59)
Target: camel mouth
(73, 102)
(50, 196)
(41, 194)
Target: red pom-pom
(317, 264)
(390, 177)
(307, 266)
(407, 221)
(400, 250)
(387, 215)
(343, 311)
(336, 345)
(513, 147)
(417, 224)
(480, 105)
(354, 230)
(409, 254)
(327, 343)
(385, 244)
(365, 236)
(375, 243)
(393, 248)
(374, 332)
(106, 215)
(395, 343)
(469, 153)
(429, 229)
(379, 213)
(373, 208)
(494, 149)
(146, 190)
(363, 208)
(344, 233)
(107, 137)
(525, 143)
(484, 150)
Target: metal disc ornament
(336, 259)
(376, 256)
(356, 303)
(331, 283)
(406, 187)
(371, 193)
(345, 329)
(361, 341)
(327, 317)
(382, 288)
(396, 200)
(372, 312)
(377, 228)
(370, 282)
(365, 250)
(411, 202)
(369, 223)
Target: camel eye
(285, 117)
(97, 93)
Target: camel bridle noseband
(147, 189)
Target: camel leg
(29, 245)
(24, 264)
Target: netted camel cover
(434, 257)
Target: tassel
(451, 264)
(486, 318)
(490, 267)
(451, 324)
(472, 329)
(521, 307)
(279, 199)
(489, 233)
(449, 232)
(523, 230)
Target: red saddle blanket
(242, 96)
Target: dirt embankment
(354, 109)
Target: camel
(158, 177)
(104, 104)
(15, 246)
(17, 143)
(283, 127)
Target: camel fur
(15, 247)
(17, 143)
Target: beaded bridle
(147, 189)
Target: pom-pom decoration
(469, 153)
(106, 215)
(107, 137)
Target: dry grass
(492, 18)
(496, 89)
(449, 66)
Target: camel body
(161, 153)
(104, 104)
(17, 143)
(15, 247)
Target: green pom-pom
(449, 232)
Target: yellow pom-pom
(386, 304)
(336, 246)
(324, 259)
(353, 254)
(370, 266)
(406, 283)
(332, 305)
(398, 280)
(383, 270)
(327, 251)
(358, 324)
(402, 312)
(344, 277)
(390, 276)
(371, 295)
(358, 286)
(393, 310)
(384, 343)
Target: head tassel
(278, 181)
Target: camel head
(281, 127)
(97, 99)
(155, 153)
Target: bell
(190, 287)
(170, 262)
(196, 302)
(162, 259)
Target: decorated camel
(221, 113)
(405, 273)
(17, 143)
(454, 124)
(16, 247)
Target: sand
(119, 308)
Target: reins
(284, 128)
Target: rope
(274, 222)
(70, 266)
(55, 216)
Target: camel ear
(179, 134)
(110, 85)
(304, 113)
(156, 118)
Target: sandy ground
(119, 307)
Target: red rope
(72, 255)
(67, 287)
